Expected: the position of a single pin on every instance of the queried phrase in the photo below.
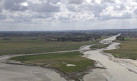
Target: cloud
(75, 1)
(2, 16)
(62, 11)
(44, 7)
(14, 5)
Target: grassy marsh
(99, 46)
(128, 49)
(58, 60)
(8, 48)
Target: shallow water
(115, 70)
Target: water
(114, 71)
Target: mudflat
(115, 70)
(10, 72)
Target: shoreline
(116, 68)
(76, 76)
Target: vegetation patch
(128, 49)
(40, 42)
(59, 61)
(8, 48)
(99, 46)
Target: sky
(46, 15)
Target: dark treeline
(79, 38)
(127, 33)
(121, 38)
(85, 35)
(50, 36)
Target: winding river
(115, 69)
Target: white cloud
(77, 10)
(62, 11)
(24, 4)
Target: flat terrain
(59, 60)
(128, 49)
(68, 62)
(9, 72)
(99, 46)
(9, 47)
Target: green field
(58, 60)
(39, 46)
(128, 49)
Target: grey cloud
(42, 15)
(108, 1)
(14, 5)
(75, 1)
(1, 5)
(108, 17)
(0, 9)
(74, 8)
(2, 16)
(66, 10)
(97, 9)
(119, 8)
(22, 19)
(135, 11)
(44, 7)
(53, 1)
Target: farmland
(9, 48)
(26, 43)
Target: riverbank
(116, 70)
(11, 72)
(127, 50)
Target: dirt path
(116, 70)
